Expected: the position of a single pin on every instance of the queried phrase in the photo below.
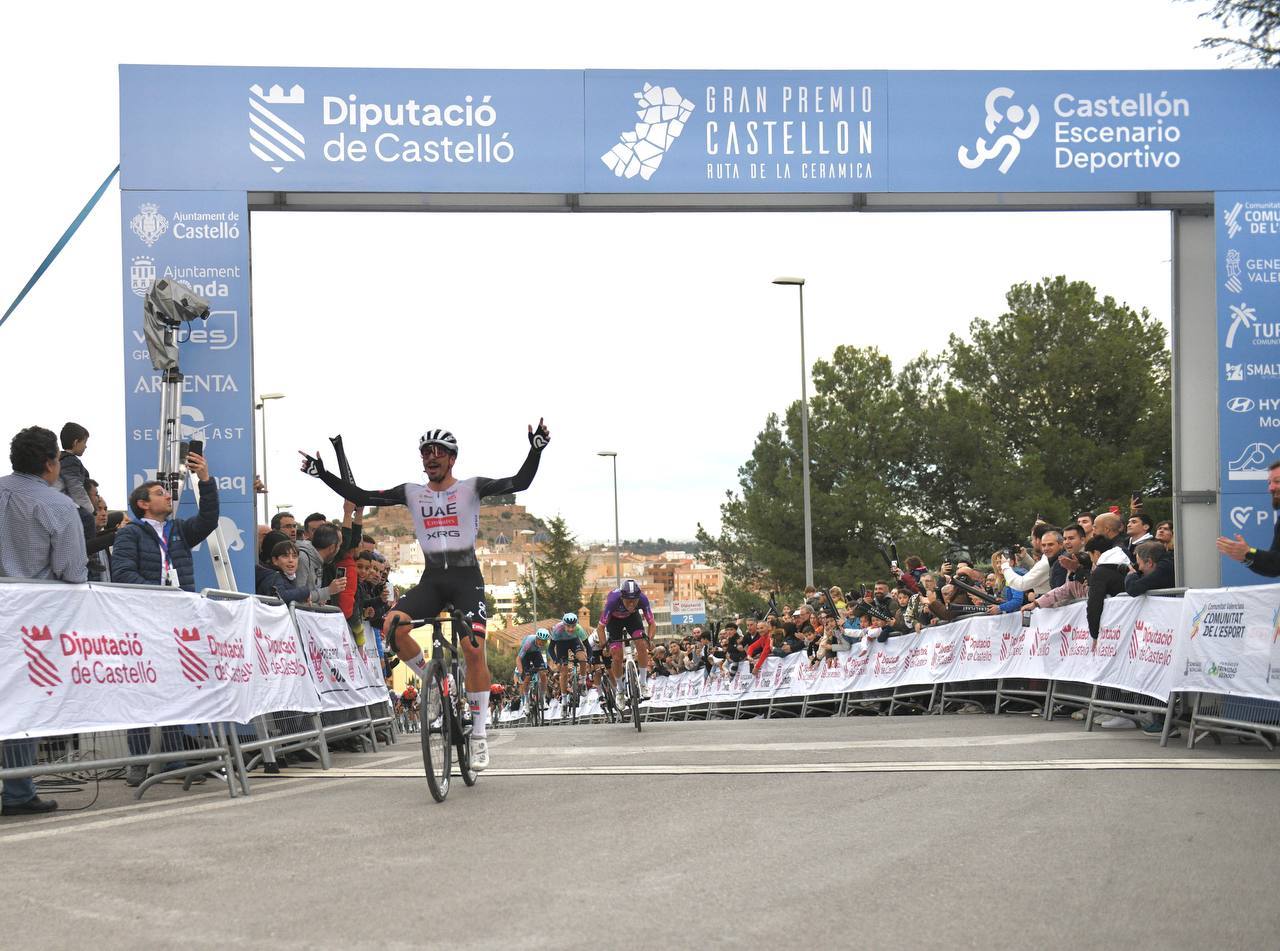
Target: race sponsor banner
(1134, 651)
(340, 675)
(78, 658)
(1228, 641)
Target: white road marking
(917, 766)
(294, 789)
(1009, 739)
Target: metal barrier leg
(1168, 721)
(1048, 701)
(1088, 715)
(373, 730)
(322, 747)
(268, 752)
(1191, 730)
(235, 759)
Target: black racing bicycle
(533, 699)
(445, 712)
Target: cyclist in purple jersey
(627, 612)
(446, 517)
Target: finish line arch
(1199, 144)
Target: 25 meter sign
(688, 612)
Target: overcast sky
(482, 323)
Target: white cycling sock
(479, 701)
(644, 676)
(418, 663)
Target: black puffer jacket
(136, 558)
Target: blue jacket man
(155, 549)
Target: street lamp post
(804, 433)
(266, 498)
(617, 539)
(533, 569)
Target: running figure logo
(663, 114)
(1021, 123)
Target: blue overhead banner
(1248, 269)
(690, 131)
(202, 240)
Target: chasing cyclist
(569, 645)
(446, 517)
(532, 658)
(627, 611)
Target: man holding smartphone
(155, 548)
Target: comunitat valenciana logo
(1015, 123)
(271, 137)
(662, 116)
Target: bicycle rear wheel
(436, 728)
(633, 694)
(575, 688)
(608, 698)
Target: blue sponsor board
(692, 131)
(1083, 131)
(703, 131)
(410, 130)
(1248, 275)
(202, 240)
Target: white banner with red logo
(1232, 641)
(78, 657)
(1134, 651)
(344, 675)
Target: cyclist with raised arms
(569, 645)
(446, 517)
(532, 657)
(627, 610)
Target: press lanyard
(167, 569)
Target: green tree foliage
(1060, 403)
(559, 576)
(1257, 20)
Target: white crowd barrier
(1221, 640)
(84, 658)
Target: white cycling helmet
(438, 437)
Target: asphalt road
(910, 832)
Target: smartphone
(196, 446)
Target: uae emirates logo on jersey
(41, 671)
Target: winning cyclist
(569, 645)
(627, 610)
(531, 657)
(446, 516)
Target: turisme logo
(1231, 219)
(41, 671)
(663, 114)
(148, 224)
(271, 138)
(194, 667)
(1021, 124)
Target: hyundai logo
(1240, 404)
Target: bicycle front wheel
(633, 694)
(437, 730)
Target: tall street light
(266, 498)
(533, 567)
(617, 539)
(804, 433)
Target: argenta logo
(663, 114)
(271, 138)
(41, 671)
(1020, 124)
(148, 224)
(1231, 219)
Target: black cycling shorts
(633, 624)
(461, 587)
(562, 651)
(533, 660)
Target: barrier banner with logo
(342, 677)
(90, 658)
(1134, 651)
(1229, 641)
